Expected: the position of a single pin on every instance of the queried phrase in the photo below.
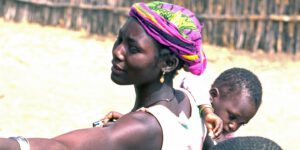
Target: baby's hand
(108, 119)
(111, 116)
(214, 124)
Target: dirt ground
(54, 80)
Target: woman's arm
(138, 130)
(8, 144)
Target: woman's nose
(119, 52)
(232, 126)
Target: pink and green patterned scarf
(175, 27)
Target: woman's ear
(214, 94)
(168, 60)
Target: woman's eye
(133, 49)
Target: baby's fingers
(210, 130)
(218, 129)
(107, 117)
(113, 115)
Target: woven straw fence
(270, 25)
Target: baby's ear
(214, 93)
(168, 60)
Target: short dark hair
(239, 78)
(247, 143)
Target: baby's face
(235, 109)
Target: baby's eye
(232, 117)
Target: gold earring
(162, 78)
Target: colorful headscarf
(175, 27)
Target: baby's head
(236, 96)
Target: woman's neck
(151, 94)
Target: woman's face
(235, 109)
(135, 56)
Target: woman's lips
(117, 69)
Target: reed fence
(270, 25)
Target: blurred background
(55, 60)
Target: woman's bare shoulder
(138, 129)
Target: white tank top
(180, 133)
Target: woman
(156, 41)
